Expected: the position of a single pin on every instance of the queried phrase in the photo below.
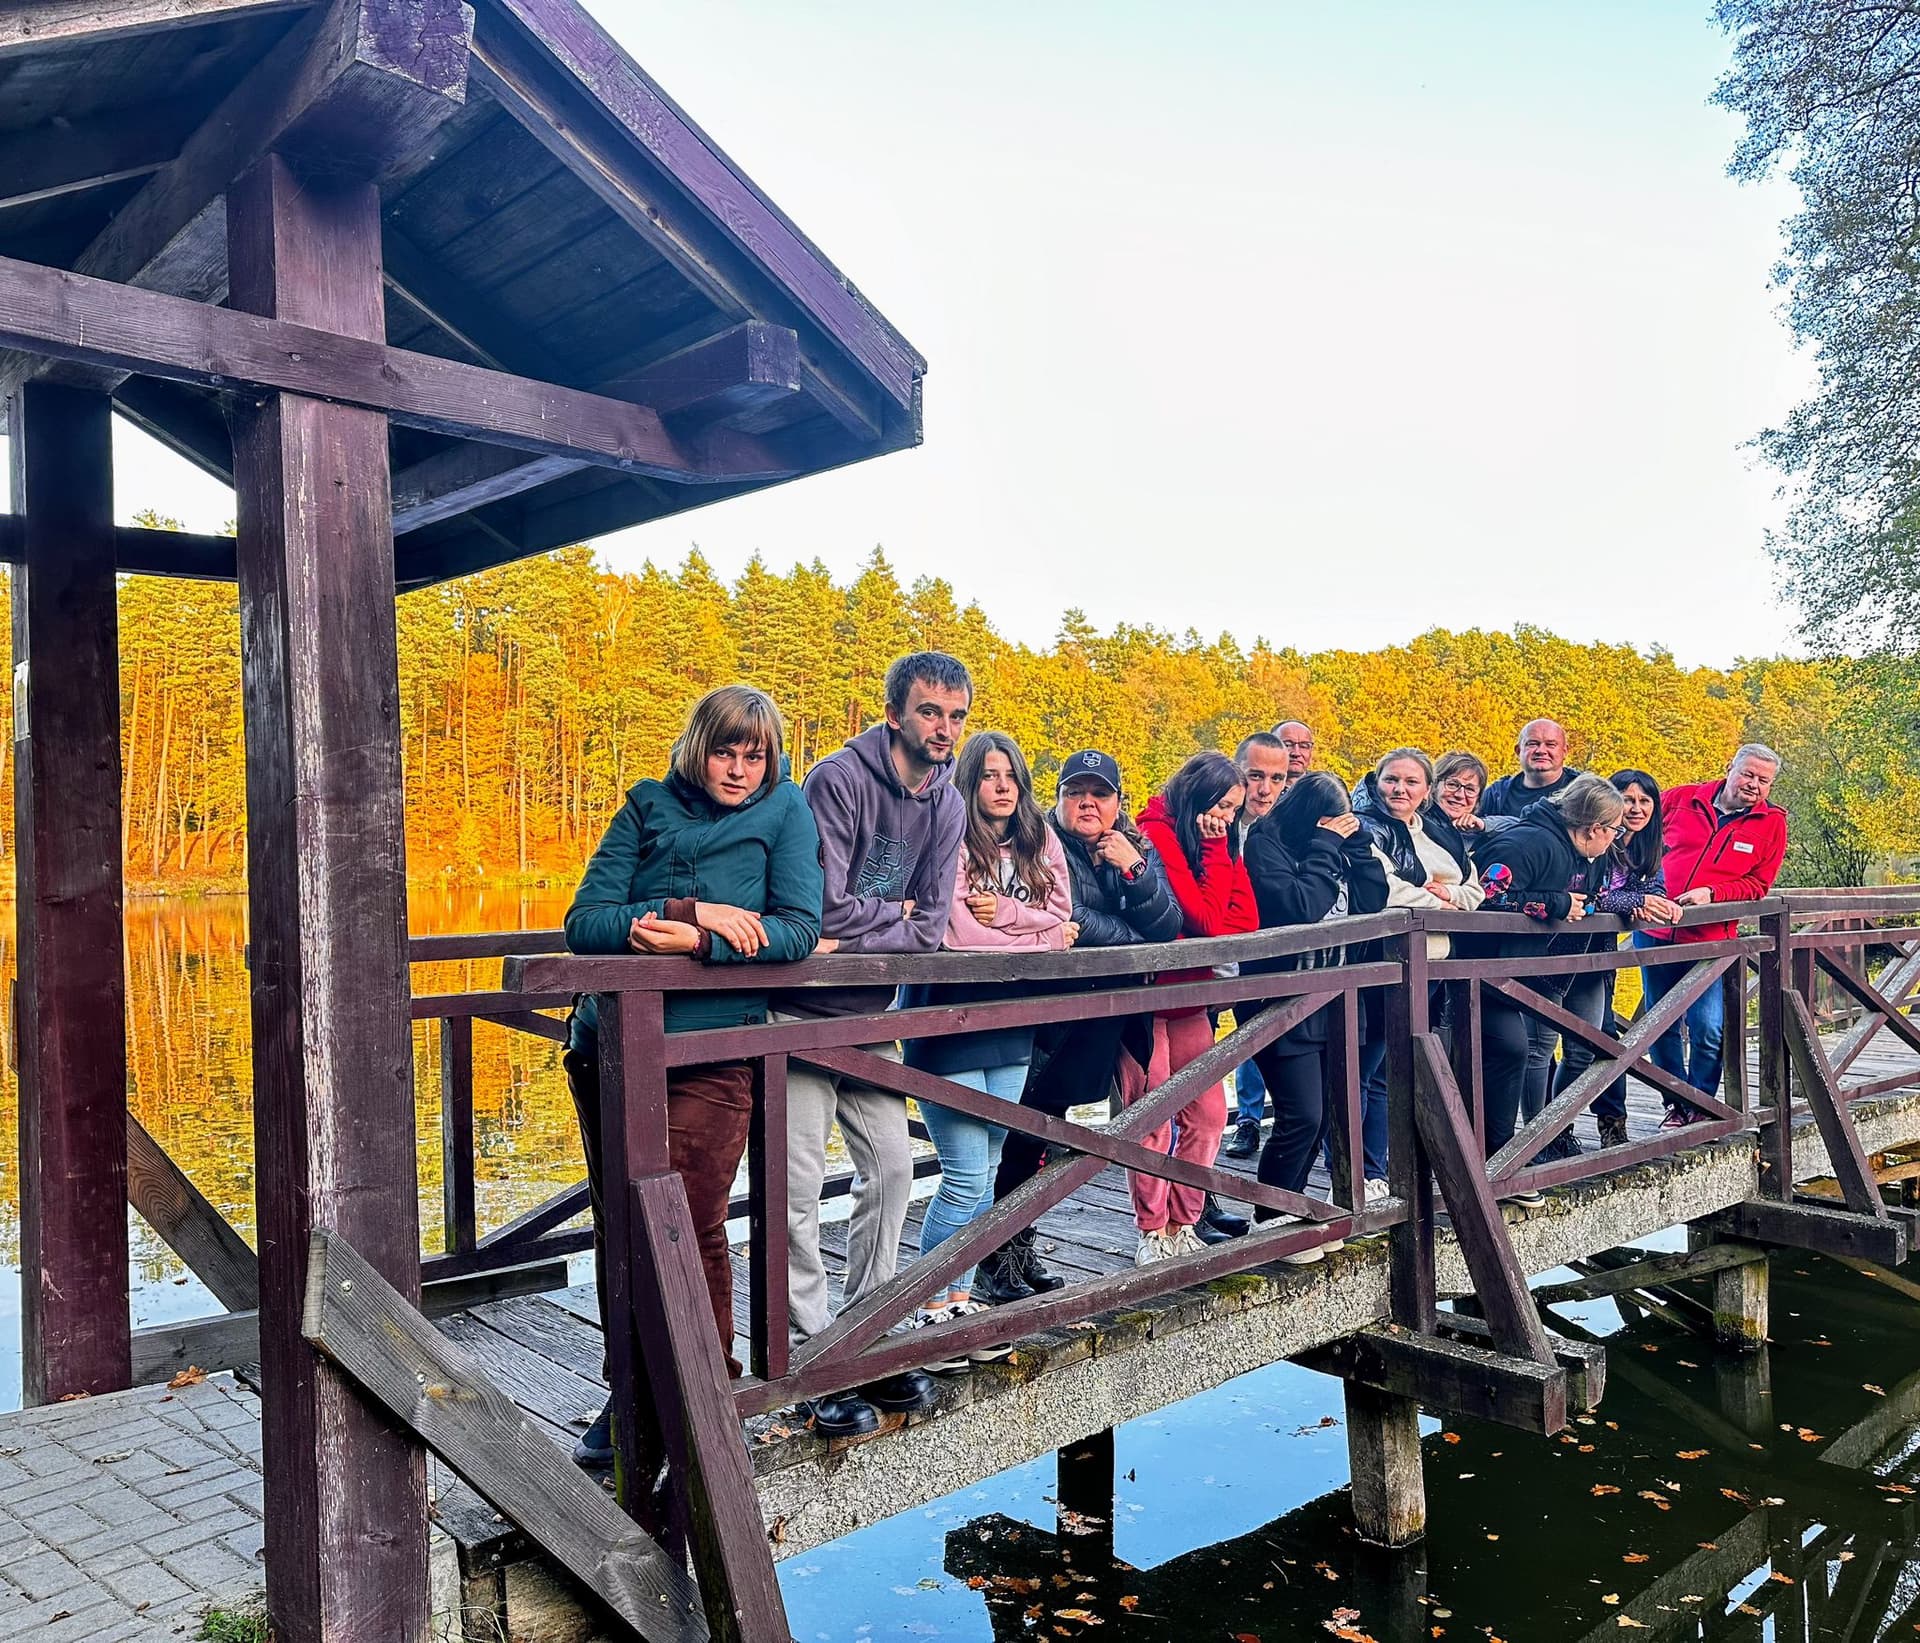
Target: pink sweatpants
(1177, 1039)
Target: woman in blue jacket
(719, 861)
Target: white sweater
(1466, 891)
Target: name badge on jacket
(1742, 848)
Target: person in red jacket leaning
(1724, 842)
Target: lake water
(1230, 1524)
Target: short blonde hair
(732, 713)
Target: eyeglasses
(1461, 790)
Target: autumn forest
(534, 695)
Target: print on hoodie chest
(883, 874)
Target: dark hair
(1306, 803)
(927, 667)
(1195, 788)
(1260, 738)
(1026, 828)
(1641, 851)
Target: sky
(1319, 324)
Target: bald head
(1543, 752)
(1297, 739)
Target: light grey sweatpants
(874, 1125)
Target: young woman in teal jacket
(719, 861)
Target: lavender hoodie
(880, 844)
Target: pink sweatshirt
(1016, 923)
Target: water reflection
(1710, 1496)
(189, 1082)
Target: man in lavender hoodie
(890, 825)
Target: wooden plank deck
(546, 1350)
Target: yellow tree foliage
(534, 695)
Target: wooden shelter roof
(563, 220)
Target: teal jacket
(670, 843)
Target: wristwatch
(1136, 872)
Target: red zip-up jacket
(1736, 857)
(1221, 904)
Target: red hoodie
(1737, 857)
(1221, 904)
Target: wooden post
(1739, 1297)
(1383, 1455)
(1083, 1473)
(332, 1049)
(71, 1031)
(1776, 1089)
(1410, 1245)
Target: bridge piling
(1383, 1454)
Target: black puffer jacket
(1306, 887)
(1395, 840)
(1110, 911)
(1510, 795)
(1533, 868)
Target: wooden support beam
(42, 25)
(1831, 1116)
(140, 552)
(468, 476)
(1454, 1152)
(1740, 1315)
(1383, 1459)
(44, 162)
(1650, 1269)
(125, 329)
(332, 1045)
(1448, 1377)
(70, 1039)
(231, 1340)
(373, 1334)
(361, 84)
(190, 1226)
(1584, 1361)
(1814, 1227)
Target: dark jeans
(1591, 999)
(1373, 1108)
(1072, 1065)
(1250, 1094)
(708, 1109)
(1504, 1050)
(1541, 1040)
(1699, 1060)
(1297, 1082)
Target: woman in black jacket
(1310, 863)
(1548, 865)
(1120, 898)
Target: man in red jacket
(1724, 842)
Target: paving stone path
(123, 1519)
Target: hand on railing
(650, 933)
(739, 928)
(1657, 910)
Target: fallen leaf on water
(1805, 1435)
(1327, 1570)
(1734, 1494)
(1894, 1488)
(1877, 1391)
(1628, 1620)
(1657, 1498)
(1843, 1557)
(977, 1582)
(1686, 1363)
(1649, 1347)
(1449, 1437)
(1610, 1597)
(1493, 1537)
(1692, 1454)
(1086, 1617)
(1708, 1545)
(1584, 1449)
(1345, 1615)
(1748, 1608)
(1246, 1637)
(1612, 1426)
(1785, 1580)
(1129, 1603)
(1437, 1631)
(1606, 1489)
(1635, 1557)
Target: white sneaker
(972, 1309)
(1185, 1240)
(953, 1364)
(1304, 1257)
(1377, 1189)
(1153, 1246)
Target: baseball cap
(1103, 767)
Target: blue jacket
(670, 843)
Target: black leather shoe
(841, 1415)
(593, 1449)
(1032, 1270)
(999, 1278)
(1613, 1132)
(1246, 1139)
(1222, 1223)
(911, 1392)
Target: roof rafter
(35, 25)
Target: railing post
(1346, 1143)
(461, 1234)
(767, 1220)
(1410, 1244)
(1776, 1090)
